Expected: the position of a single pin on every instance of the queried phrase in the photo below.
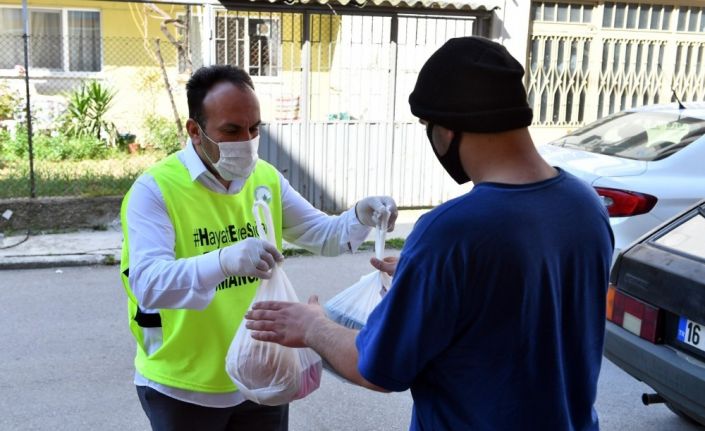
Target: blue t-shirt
(495, 318)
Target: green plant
(9, 102)
(86, 114)
(13, 148)
(55, 147)
(63, 147)
(5, 140)
(161, 134)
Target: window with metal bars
(250, 42)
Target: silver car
(647, 164)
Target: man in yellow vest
(192, 259)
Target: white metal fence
(333, 164)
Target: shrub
(55, 147)
(87, 111)
(9, 102)
(72, 148)
(161, 134)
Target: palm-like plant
(87, 112)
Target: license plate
(691, 333)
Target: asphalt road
(66, 359)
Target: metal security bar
(591, 59)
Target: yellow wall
(129, 30)
(117, 21)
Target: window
(250, 42)
(60, 40)
(691, 19)
(84, 41)
(634, 16)
(646, 136)
(560, 12)
(689, 237)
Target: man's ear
(193, 131)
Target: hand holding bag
(268, 373)
(352, 306)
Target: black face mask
(451, 159)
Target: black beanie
(472, 84)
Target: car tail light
(635, 316)
(624, 203)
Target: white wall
(510, 27)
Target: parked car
(656, 313)
(647, 164)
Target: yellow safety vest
(195, 342)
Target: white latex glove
(252, 257)
(370, 210)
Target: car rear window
(646, 136)
(688, 237)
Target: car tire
(684, 416)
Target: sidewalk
(104, 247)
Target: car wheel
(684, 416)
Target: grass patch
(88, 178)
(391, 244)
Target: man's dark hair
(204, 79)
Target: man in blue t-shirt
(495, 317)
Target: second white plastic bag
(268, 373)
(352, 306)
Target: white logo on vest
(263, 193)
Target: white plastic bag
(268, 373)
(352, 306)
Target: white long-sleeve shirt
(159, 280)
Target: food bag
(352, 306)
(268, 373)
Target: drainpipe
(394, 36)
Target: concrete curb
(35, 262)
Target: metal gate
(355, 135)
(588, 60)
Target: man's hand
(372, 209)
(388, 264)
(294, 324)
(285, 323)
(252, 257)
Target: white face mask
(237, 159)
